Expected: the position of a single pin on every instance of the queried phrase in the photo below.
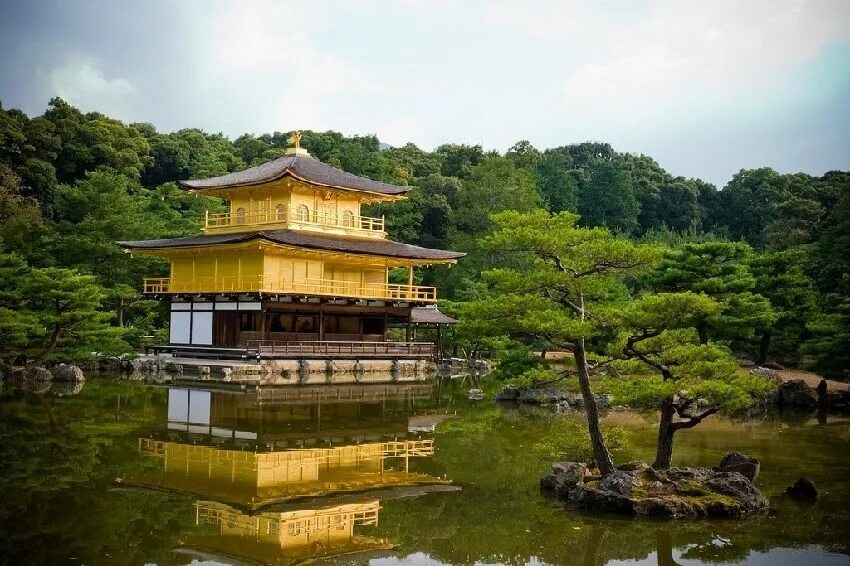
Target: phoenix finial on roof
(295, 139)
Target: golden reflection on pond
(288, 536)
(263, 463)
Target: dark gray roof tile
(354, 245)
(301, 166)
(429, 315)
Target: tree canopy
(71, 183)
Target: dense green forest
(773, 248)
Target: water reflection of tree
(500, 516)
(63, 455)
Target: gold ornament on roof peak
(295, 139)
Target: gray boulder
(64, 372)
(32, 374)
(603, 401)
(737, 486)
(745, 465)
(633, 466)
(673, 493)
(620, 482)
(507, 394)
(174, 368)
(303, 370)
(767, 373)
(803, 488)
(601, 500)
(534, 396)
(543, 395)
(671, 507)
(797, 394)
(396, 370)
(563, 477)
(111, 364)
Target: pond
(124, 472)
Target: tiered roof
(303, 239)
(299, 166)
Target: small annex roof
(303, 239)
(300, 166)
(429, 315)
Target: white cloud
(399, 131)
(80, 82)
(659, 76)
(638, 60)
(544, 19)
(726, 46)
(263, 60)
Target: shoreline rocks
(559, 399)
(638, 489)
(64, 372)
(31, 374)
(804, 489)
(736, 462)
(794, 394)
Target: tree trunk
(594, 544)
(121, 313)
(764, 347)
(600, 451)
(54, 340)
(664, 451)
(54, 424)
(702, 330)
(664, 548)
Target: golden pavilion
(293, 267)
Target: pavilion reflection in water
(288, 536)
(245, 454)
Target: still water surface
(123, 472)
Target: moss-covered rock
(673, 493)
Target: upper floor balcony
(314, 287)
(297, 218)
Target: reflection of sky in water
(189, 410)
(773, 557)
(189, 406)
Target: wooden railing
(339, 455)
(301, 522)
(271, 347)
(295, 218)
(260, 283)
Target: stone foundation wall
(283, 372)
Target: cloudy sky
(706, 88)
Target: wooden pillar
(439, 343)
(410, 275)
(263, 325)
(407, 331)
(386, 323)
(321, 324)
